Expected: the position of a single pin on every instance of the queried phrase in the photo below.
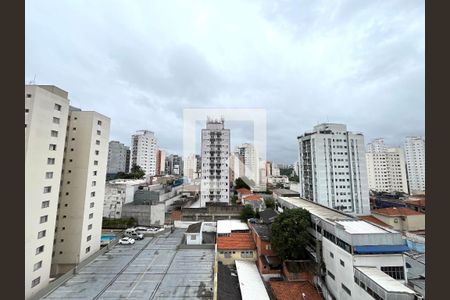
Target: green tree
(234, 199)
(290, 235)
(270, 202)
(131, 222)
(240, 183)
(247, 213)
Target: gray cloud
(140, 63)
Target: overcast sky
(141, 62)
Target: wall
(411, 223)
(235, 254)
(145, 215)
(193, 238)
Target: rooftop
(372, 219)
(262, 230)
(282, 192)
(253, 198)
(385, 281)
(417, 202)
(194, 228)
(236, 241)
(250, 282)
(227, 226)
(396, 211)
(243, 191)
(287, 290)
(359, 227)
(268, 215)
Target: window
(37, 265)
(88, 249)
(39, 249)
(55, 120)
(62, 240)
(47, 189)
(36, 281)
(227, 254)
(92, 205)
(95, 173)
(95, 162)
(92, 194)
(45, 204)
(342, 263)
(94, 183)
(99, 122)
(246, 254)
(91, 215)
(43, 219)
(395, 272)
(28, 95)
(52, 147)
(99, 132)
(331, 254)
(330, 274)
(97, 152)
(54, 133)
(57, 107)
(41, 234)
(48, 175)
(346, 289)
(88, 238)
(50, 161)
(89, 226)
(97, 142)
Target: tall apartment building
(190, 167)
(65, 170)
(251, 162)
(117, 157)
(143, 151)
(79, 219)
(174, 164)
(160, 162)
(46, 111)
(127, 161)
(415, 163)
(333, 170)
(215, 163)
(386, 168)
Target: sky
(306, 62)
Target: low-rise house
(268, 215)
(255, 201)
(117, 193)
(375, 221)
(401, 218)
(299, 270)
(288, 290)
(193, 234)
(416, 204)
(242, 192)
(267, 261)
(274, 180)
(234, 241)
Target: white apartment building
(190, 167)
(275, 170)
(332, 165)
(415, 163)
(143, 151)
(356, 259)
(386, 168)
(117, 193)
(251, 162)
(80, 213)
(46, 111)
(117, 157)
(215, 147)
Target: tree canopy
(290, 235)
(240, 183)
(270, 202)
(135, 173)
(247, 213)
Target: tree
(290, 235)
(234, 199)
(270, 202)
(240, 183)
(247, 213)
(131, 222)
(136, 173)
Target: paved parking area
(150, 269)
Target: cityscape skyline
(299, 68)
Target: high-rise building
(160, 162)
(65, 170)
(46, 111)
(143, 151)
(79, 221)
(190, 167)
(386, 168)
(117, 157)
(127, 161)
(215, 163)
(251, 162)
(333, 171)
(415, 163)
(174, 164)
(275, 170)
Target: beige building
(234, 242)
(66, 153)
(46, 111)
(401, 218)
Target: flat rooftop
(152, 268)
(226, 226)
(250, 281)
(385, 281)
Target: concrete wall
(411, 223)
(145, 215)
(235, 254)
(194, 238)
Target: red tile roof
(372, 219)
(252, 197)
(236, 241)
(244, 191)
(288, 290)
(416, 202)
(396, 211)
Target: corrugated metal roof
(250, 282)
(385, 281)
(359, 226)
(226, 226)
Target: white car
(126, 241)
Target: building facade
(46, 112)
(117, 193)
(333, 171)
(143, 151)
(190, 167)
(386, 168)
(117, 157)
(251, 162)
(415, 163)
(215, 146)
(79, 221)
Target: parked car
(135, 235)
(141, 229)
(126, 241)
